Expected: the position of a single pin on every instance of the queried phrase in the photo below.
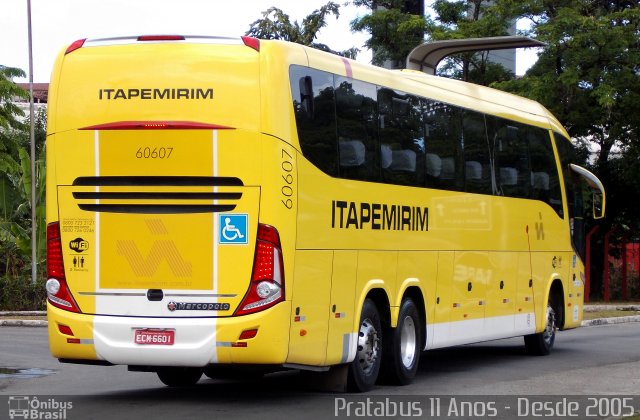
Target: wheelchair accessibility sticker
(233, 229)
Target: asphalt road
(595, 361)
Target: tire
(180, 376)
(402, 346)
(540, 344)
(364, 369)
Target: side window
(401, 138)
(443, 157)
(477, 166)
(314, 106)
(356, 111)
(511, 157)
(545, 183)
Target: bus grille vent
(157, 194)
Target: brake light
(75, 45)
(251, 42)
(58, 291)
(267, 280)
(161, 38)
(157, 125)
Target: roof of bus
(469, 95)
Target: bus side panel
(501, 293)
(574, 291)
(311, 292)
(341, 339)
(438, 332)
(525, 322)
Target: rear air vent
(147, 194)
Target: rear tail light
(267, 280)
(58, 291)
(251, 42)
(75, 45)
(161, 38)
(157, 125)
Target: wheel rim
(368, 346)
(408, 342)
(550, 329)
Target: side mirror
(599, 197)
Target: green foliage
(588, 76)
(18, 294)
(275, 24)
(15, 185)
(9, 90)
(471, 19)
(394, 33)
(396, 29)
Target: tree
(398, 26)
(464, 19)
(589, 77)
(395, 26)
(15, 180)
(9, 90)
(275, 24)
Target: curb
(22, 313)
(611, 321)
(596, 308)
(22, 323)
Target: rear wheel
(363, 371)
(180, 376)
(402, 345)
(540, 344)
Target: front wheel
(363, 370)
(540, 344)
(402, 346)
(180, 376)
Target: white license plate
(154, 337)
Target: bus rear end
(157, 253)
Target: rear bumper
(198, 341)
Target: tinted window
(401, 138)
(545, 184)
(357, 130)
(511, 157)
(314, 106)
(358, 147)
(443, 134)
(477, 166)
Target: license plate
(154, 337)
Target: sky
(57, 23)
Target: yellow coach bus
(216, 203)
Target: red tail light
(251, 42)
(161, 38)
(75, 45)
(157, 125)
(267, 280)
(57, 289)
